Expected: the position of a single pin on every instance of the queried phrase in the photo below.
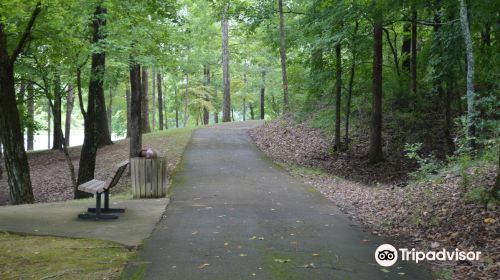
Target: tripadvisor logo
(387, 255)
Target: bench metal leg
(98, 211)
(106, 208)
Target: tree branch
(394, 52)
(79, 86)
(27, 32)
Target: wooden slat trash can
(149, 177)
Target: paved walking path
(236, 215)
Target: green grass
(48, 257)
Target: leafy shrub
(429, 165)
(481, 195)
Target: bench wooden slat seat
(97, 188)
(94, 186)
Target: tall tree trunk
(91, 118)
(186, 102)
(206, 113)
(176, 99)
(103, 132)
(1, 159)
(110, 110)
(58, 138)
(153, 105)
(226, 112)
(49, 118)
(165, 109)
(70, 101)
(413, 62)
(338, 95)
(471, 95)
(216, 112)
(145, 102)
(283, 57)
(135, 110)
(244, 109)
(160, 100)
(16, 161)
(274, 104)
(127, 97)
(31, 115)
(252, 113)
(64, 148)
(262, 95)
(351, 84)
(376, 154)
(444, 98)
(406, 48)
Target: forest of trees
(135, 67)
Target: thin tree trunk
(338, 95)
(176, 107)
(49, 118)
(31, 115)
(226, 117)
(252, 113)
(165, 109)
(376, 130)
(91, 123)
(153, 108)
(444, 98)
(186, 102)
(351, 84)
(413, 62)
(160, 101)
(449, 122)
(1, 159)
(145, 102)
(283, 57)
(70, 100)
(262, 95)
(244, 109)
(216, 112)
(64, 149)
(127, 96)
(135, 110)
(471, 106)
(406, 48)
(110, 110)
(58, 137)
(206, 113)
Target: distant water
(41, 140)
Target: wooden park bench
(97, 188)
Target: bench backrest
(116, 175)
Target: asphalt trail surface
(236, 215)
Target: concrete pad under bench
(60, 219)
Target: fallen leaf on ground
(203, 265)
(282, 260)
(489, 221)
